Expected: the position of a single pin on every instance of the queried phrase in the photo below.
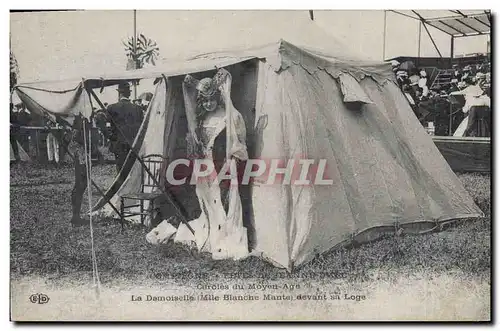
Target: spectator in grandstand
(457, 73)
(402, 78)
(395, 66)
(462, 85)
(477, 108)
(483, 83)
(467, 75)
(485, 68)
(422, 83)
(473, 70)
(479, 116)
(487, 84)
(421, 107)
(414, 78)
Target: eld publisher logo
(39, 298)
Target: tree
(146, 51)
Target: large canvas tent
(297, 102)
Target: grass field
(45, 247)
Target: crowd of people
(38, 137)
(434, 106)
(116, 126)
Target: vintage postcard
(304, 165)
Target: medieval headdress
(220, 84)
(206, 88)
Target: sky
(59, 45)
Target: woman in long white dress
(217, 133)
(474, 96)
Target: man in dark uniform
(23, 119)
(126, 119)
(75, 140)
(14, 132)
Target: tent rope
(88, 167)
(47, 90)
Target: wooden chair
(146, 192)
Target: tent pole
(419, 37)
(450, 132)
(385, 32)
(135, 51)
(432, 39)
(136, 156)
(452, 50)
